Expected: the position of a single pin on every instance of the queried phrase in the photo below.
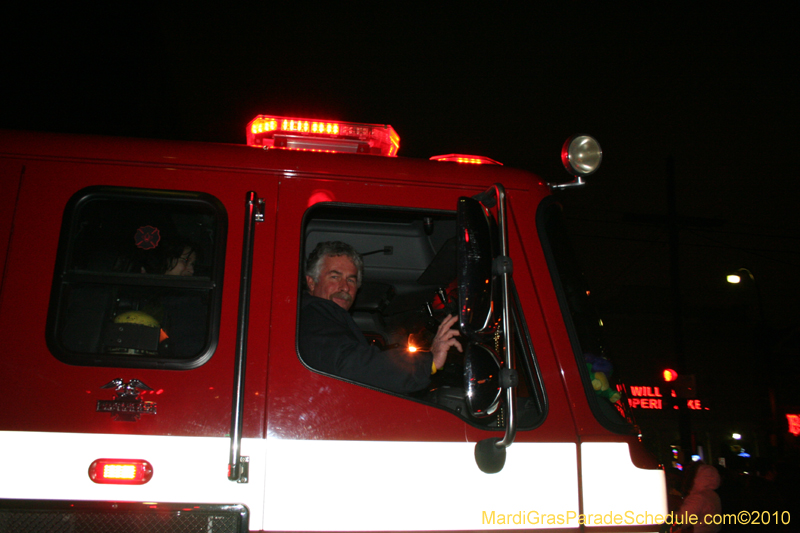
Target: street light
(735, 278)
(764, 347)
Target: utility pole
(684, 423)
(674, 223)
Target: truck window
(408, 287)
(583, 322)
(138, 279)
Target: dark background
(709, 89)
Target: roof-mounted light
(469, 159)
(266, 131)
(581, 156)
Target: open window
(411, 282)
(138, 279)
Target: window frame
(65, 276)
(531, 374)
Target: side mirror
(474, 267)
(484, 317)
(481, 380)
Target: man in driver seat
(331, 342)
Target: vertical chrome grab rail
(237, 465)
(490, 454)
(511, 397)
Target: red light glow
(267, 131)
(794, 424)
(670, 375)
(121, 471)
(320, 195)
(469, 159)
(641, 397)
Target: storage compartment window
(409, 285)
(138, 279)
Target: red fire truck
(139, 400)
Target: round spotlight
(581, 155)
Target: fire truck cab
(151, 374)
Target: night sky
(709, 88)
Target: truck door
(355, 449)
(11, 172)
(108, 351)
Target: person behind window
(330, 341)
(182, 265)
(179, 314)
(176, 258)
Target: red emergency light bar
(469, 159)
(121, 471)
(267, 131)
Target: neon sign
(794, 424)
(651, 398)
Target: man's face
(338, 281)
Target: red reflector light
(121, 471)
(266, 131)
(469, 159)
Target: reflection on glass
(136, 278)
(583, 321)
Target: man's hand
(444, 339)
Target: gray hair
(332, 249)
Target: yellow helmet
(137, 317)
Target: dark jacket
(331, 342)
